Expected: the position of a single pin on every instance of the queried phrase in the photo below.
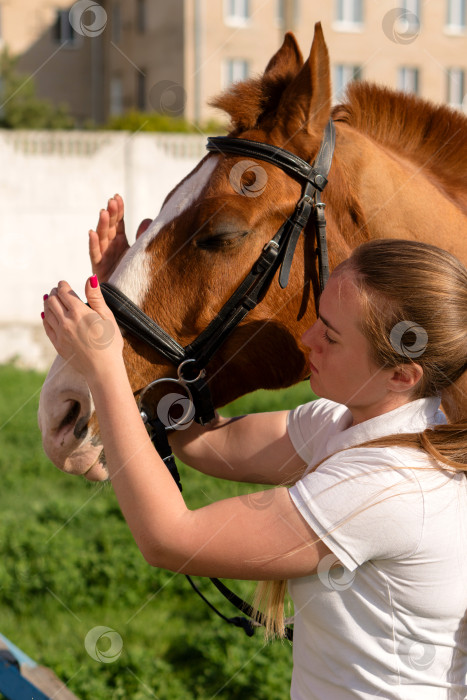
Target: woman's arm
(253, 448)
(232, 538)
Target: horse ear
(306, 103)
(248, 102)
(286, 62)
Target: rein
(191, 360)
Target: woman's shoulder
(310, 426)
(320, 410)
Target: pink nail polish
(42, 314)
(94, 282)
(46, 296)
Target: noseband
(191, 361)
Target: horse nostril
(81, 428)
(71, 417)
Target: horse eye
(221, 240)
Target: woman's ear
(405, 377)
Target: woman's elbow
(163, 556)
(157, 556)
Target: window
(455, 20)
(116, 96)
(64, 32)
(349, 15)
(236, 12)
(116, 23)
(411, 16)
(408, 80)
(455, 87)
(344, 74)
(234, 70)
(141, 90)
(280, 11)
(287, 12)
(141, 16)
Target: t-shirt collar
(413, 417)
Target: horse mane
(432, 136)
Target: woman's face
(340, 363)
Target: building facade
(172, 56)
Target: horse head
(203, 243)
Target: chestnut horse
(398, 171)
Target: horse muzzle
(65, 411)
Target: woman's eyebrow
(326, 323)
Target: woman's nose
(307, 337)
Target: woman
(372, 535)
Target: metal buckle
(270, 244)
(181, 378)
(305, 199)
(162, 410)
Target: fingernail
(46, 296)
(94, 281)
(42, 314)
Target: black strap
(299, 221)
(130, 317)
(291, 164)
(159, 439)
(244, 299)
(247, 625)
(322, 246)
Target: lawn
(70, 565)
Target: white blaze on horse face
(133, 274)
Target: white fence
(52, 185)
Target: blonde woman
(370, 528)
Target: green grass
(69, 564)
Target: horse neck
(393, 196)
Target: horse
(398, 171)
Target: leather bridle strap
(290, 163)
(130, 317)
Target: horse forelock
(133, 274)
(250, 102)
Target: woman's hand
(109, 243)
(88, 338)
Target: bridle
(191, 361)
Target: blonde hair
(414, 309)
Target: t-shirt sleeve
(310, 425)
(364, 503)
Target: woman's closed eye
(328, 339)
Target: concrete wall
(52, 185)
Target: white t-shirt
(392, 621)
